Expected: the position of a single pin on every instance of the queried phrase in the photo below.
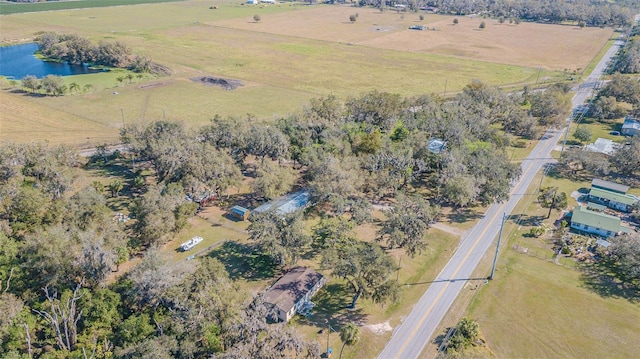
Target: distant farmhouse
(292, 293)
(630, 127)
(287, 204)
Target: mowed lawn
(293, 54)
(537, 309)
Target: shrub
(256, 18)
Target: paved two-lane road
(418, 327)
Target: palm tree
(88, 87)
(73, 87)
(350, 335)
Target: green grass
(536, 309)
(13, 8)
(587, 70)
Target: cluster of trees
(628, 61)
(58, 246)
(75, 49)
(623, 257)
(619, 97)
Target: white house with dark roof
(292, 292)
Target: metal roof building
(287, 204)
(609, 186)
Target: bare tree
(63, 316)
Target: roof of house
(609, 185)
(602, 145)
(631, 123)
(287, 204)
(292, 287)
(612, 196)
(436, 145)
(239, 210)
(597, 207)
(595, 219)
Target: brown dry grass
(527, 44)
(23, 120)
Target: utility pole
(495, 258)
(444, 94)
(539, 71)
(122, 113)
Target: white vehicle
(188, 245)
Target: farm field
(293, 54)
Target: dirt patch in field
(226, 84)
(154, 85)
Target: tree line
(588, 12)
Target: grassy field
(295, 53)
(16, 8)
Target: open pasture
(295, 53)
(552, 47)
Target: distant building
(630, 127)
(287, 204)
(436, 145)
(602, 145)
(293, 292)
(596, 223)
(609, 186)
(617, 201)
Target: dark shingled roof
(292, 287)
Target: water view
(18, 61)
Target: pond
(18, 61)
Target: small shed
(240, 213)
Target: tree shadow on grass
(526, 220)
(332, 303)
(599, 277)
(242, 261)
(463, 215)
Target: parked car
(418, 27)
